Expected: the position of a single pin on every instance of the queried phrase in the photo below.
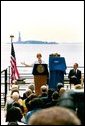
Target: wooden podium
(40, 72)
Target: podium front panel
(57, 63)
(39, 80)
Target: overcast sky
(60, 21)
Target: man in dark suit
(74, 75)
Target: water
(27, 52)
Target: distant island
(31, 41)
(34, 42)
(19, 41)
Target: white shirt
(37, 62)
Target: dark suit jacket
(76, 79)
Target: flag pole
(14, 71)
(11, 36)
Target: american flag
(14, 71)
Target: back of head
(44, 89)
(50, 92)
(55, 95)
(13, 114)
(36, 103)
(31, 86)
(54, 116)
(15, 96)
(28, 92)
(67, 100)
(15, 104)
(59, 85)
(32, 96)
(61, 91)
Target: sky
(60, 21)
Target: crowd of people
(50, 107)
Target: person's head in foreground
(14, 114)
(54, 116)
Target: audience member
(32, 87)
(17, 99)
(29, 98)
(75, 75)
(34, 105)
(27, 93)
(61, 91)
(44, 91)
(14, 114)
(54, 116)
(79, 102)
(67, 100)
(48, 98)
(59, 85)
(55, 97)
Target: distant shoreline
(33, 42)
(42, 42)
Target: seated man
(75, 75)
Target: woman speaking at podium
(39, 61)
(40, 72)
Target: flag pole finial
(11, 36)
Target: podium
(57, 68)
(40, 72)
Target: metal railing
(3, 86)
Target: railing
(25, 73)
(3, 87)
